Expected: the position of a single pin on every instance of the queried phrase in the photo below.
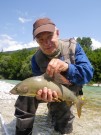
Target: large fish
(30, 86)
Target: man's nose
(47, 42)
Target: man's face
(48, 42)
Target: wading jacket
(80, 70)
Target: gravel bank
(88, 124)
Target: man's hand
(56, 66)
(47, 95)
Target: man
(54, 56)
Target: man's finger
(39, 93)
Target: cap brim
(43, 28)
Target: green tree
(85, 42)
(26, 70)
(5, 66)
(95, 57)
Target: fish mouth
(13, 92)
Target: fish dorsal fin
(47, 77)
(61, 79)
(57, 78)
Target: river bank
(88, 124)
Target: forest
(16, 65)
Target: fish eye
(17, 89)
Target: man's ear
(58, 33)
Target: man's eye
(40, 40)
(50, 36)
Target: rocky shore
(88, 124)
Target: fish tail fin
(80, 102)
